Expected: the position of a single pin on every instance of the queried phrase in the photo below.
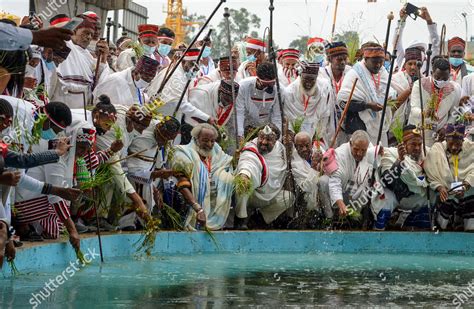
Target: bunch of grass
(297, 124)
(152, 226)
(243, 185)
(397, 130)
(182, 167)
(224, 139)
(432, 106)
(213, 237)
(173, 216)
(393, 104)
(37, 129)
(118, 132)
(353, 214)
(102, 176)
(138, 49)
(13, 268)
(80, 257)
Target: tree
(300, 43)
(242, 23)
(352, 40)
(195, 22)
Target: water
(253, 280)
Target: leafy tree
(300, 43)
(194, 23)
(352, 40)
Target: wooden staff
(344, 112)
(443, 39)
(334, 20)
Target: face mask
(387, 64)
(251, 58)
(48, 134)
(30, 71)
(164, 49)
(50, 65)
(191, 74)
(141, 84)
(319, 58)
(149, 50)
(207, 52)
(440, 83)
(456, 61)
(269, 90)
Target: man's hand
(464, 100)
(403, 14)
(426, 15)
(52, 37)
(158, 198)
(402, 151)
(443, 193)
(162, 174)
(102, 48)
(212, 121)
(251, 67)
(10, 178)
(75, 240)
(342, 208)
(10, 251)
(70, 194)
(201, 217)
(375, 106)
(116, 146)
(63, 146)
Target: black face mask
(414, 78)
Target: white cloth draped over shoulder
(76, 76)
(221, 179)
(316, 110)
(306, 178)
(401, 82)
(367, 91)
(206, 99)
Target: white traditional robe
(121, 89)
(212, 190)
(125, 61)
(267, 180)
(316, 110)
(445, 112)
(242, 72)
(468, 85)
(285, 80)
(306, 178)
(366, 91)
(172, 93)
(401, 81)
(76, 75)
(210, 78)
(256, 107)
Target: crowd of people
(113, 136)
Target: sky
(293, 18)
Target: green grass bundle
(224, 139)
(182, 167)
(102, 176)
(393, 104)
(173, 216)
(353, 214)
(118, 132)
(152, 226)
(213, 237)
(13, 268)
(81, 258)
(138, 49)
(432, 107)
(297, 124)
(243, 185)
(37, 129)
(397, 130)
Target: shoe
(241, 224)
(81, 228)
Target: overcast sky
(314, 17)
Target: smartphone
(412, 10)
(73, 23)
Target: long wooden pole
(344, 112)
(334, 20)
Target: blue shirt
(14, 38)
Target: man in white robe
(441, 97)
(221, 73)
(308, 100)
(262, 166)
(257, 103)
(76, 74)
(127, 87)
(255, 55)
(288, 71)
(364, 112)
(459, 68)
(206, 180)
(450, 169)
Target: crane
(175, 20)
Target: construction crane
(175, 20)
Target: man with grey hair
(261, 173)
(306, 176)
(206, 178)
(347, 170)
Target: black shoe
(241, 224)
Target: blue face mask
(207, 52)
(387, 64)
(251, 58)
(48, 134)
(50, 65)
(456, 61)
(318, 58)
(149, 50)
(164, 49)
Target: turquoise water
(252, 280)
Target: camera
(412, 10)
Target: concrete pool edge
(120, 245)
